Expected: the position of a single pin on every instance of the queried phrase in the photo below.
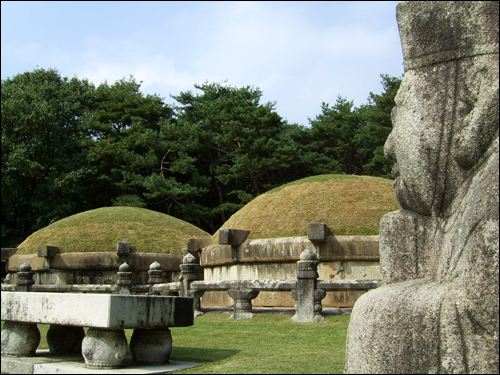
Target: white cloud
(298, 53)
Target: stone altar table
(106, 315)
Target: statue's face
(414, 144)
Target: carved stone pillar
(305, 294)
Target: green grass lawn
(270, 343)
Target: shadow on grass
(186, 353)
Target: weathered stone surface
(47, 251)
(305, 290)
(122, 248)
(46, 363)
(98, 310)
(341, 257)
(20, 339)
(197, 244)
(438, 310)
(96, 261)
(278, 250)
(7, 252)
(242, 303)
(104, 348)
(150, 347)
(233, 237)
(317, 232)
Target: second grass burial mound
(349, 205)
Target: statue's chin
(410, 199)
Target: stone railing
(306, 290)
(238, 267)
(52, 267)
(235, 257)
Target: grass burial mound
(99, 230)
(349, 205)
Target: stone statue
(438, 309)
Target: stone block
(8, 252)
(111, 311)
(122, 248)
(317, 232)
(45, 363)
(197, 244)
(47, 251)
(233, 237)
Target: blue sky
(299, 54)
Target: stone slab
(8, 252)
(47, 251)
(45, 363)
(233, 237)
(96, 261)
(288, 250)
(98, 310)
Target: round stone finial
(308, 254)
(189, 259)
(25, 267)
(155, 266)
(124, 267)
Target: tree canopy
(68, 146)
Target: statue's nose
(389, 149)
(389, 142)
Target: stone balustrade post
(307, 297)
(155, 275)
(242, 303)
(24, 278)
(124, 279)
(190, 272)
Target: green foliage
(68, 146)
(44, 169)
(370, 139)
(351, 140)
(125, 143)
(237, 145)
(332, 134)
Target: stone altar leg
(65, 339)
(319, 294)
(151, 346)
(104, 347)
(197, 294)
(20, 339)
(242, 303)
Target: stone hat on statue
(434, 32)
